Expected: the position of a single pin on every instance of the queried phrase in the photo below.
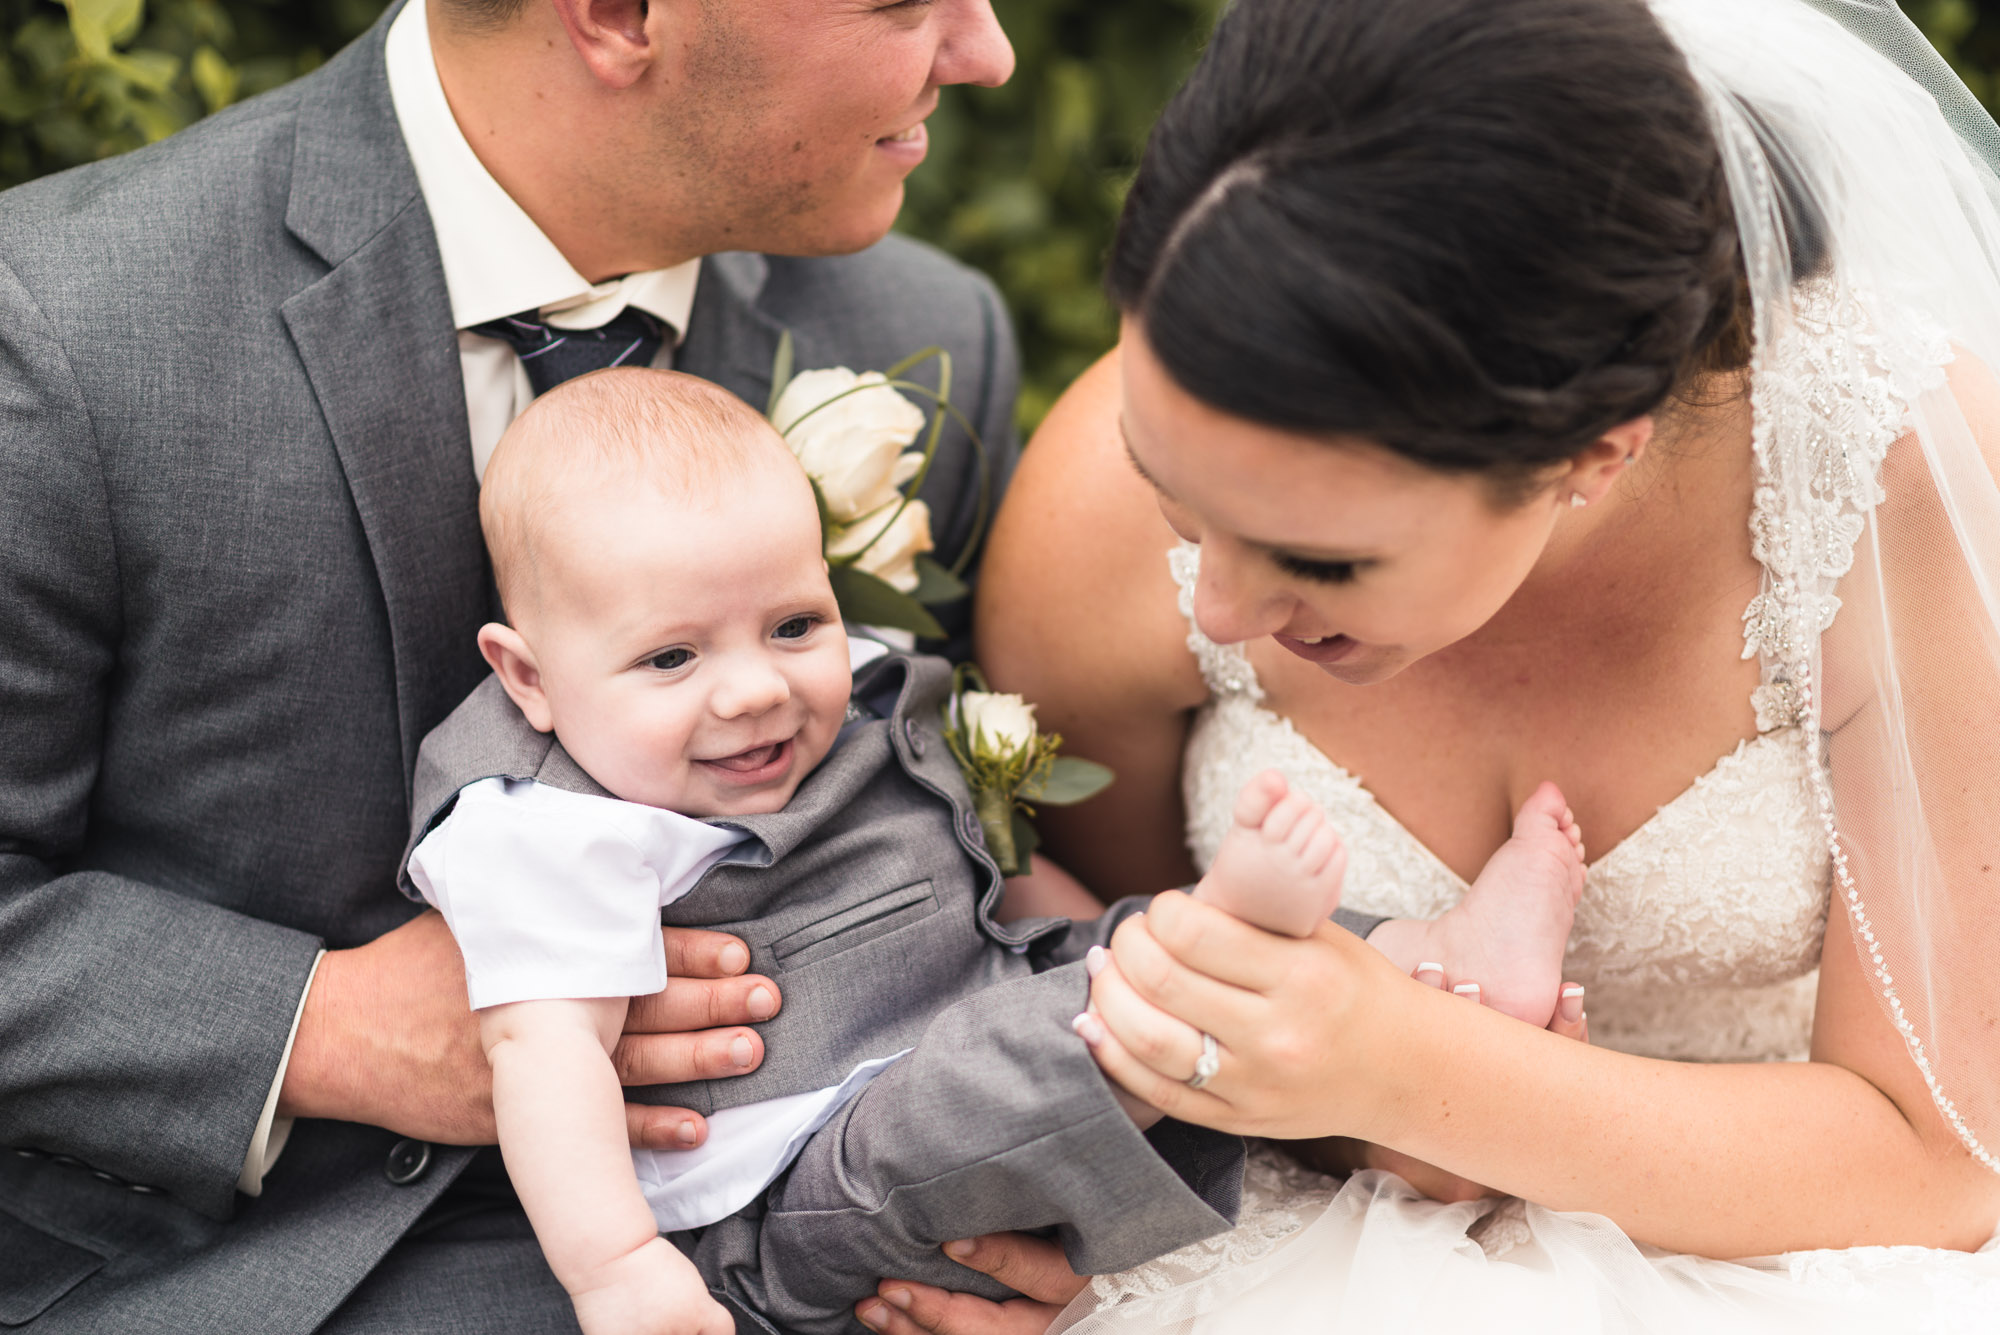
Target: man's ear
(1592, 473)
(614, 37)
(513, 661)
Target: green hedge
(1023, 181)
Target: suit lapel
(730, 340)
(376, 337)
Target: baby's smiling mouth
(755, 760)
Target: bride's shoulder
(1075, 581)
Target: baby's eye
(797, 628)
(671, 660)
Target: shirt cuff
(272, 1130)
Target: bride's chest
(1622, 720)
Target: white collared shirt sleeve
(557, 894)
(268, 1141)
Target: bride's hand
(1339, 1155)
(1034, 1267)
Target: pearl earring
(1577, 501)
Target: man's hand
(387, 1038)
(1032, 1267)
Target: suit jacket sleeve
(140, 1027)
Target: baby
(678, 729)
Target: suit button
(915, 736)
(975, 833)
(141, 1189)
(408, 1161)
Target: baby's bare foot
(1281, 863)
(1507, 935)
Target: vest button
(915, 736)
(409, 1160)
(975, 833)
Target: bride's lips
(757, 765)
(1330, 649)
(907, 146)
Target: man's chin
(842, 229)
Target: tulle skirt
(1373, 1256)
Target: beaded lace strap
(1828, 399)
(1225, 667)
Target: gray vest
(869, 898)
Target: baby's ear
(512, 659)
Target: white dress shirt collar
(497, 262)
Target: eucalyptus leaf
(781, 371)
(869, 600)
(1026, 841)
(1070, 780)
(935, 584)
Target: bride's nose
(1232, 603)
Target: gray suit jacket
(870, 896)
(240, 576)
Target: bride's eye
(797, 628)
(1320, 572)
(671, 660)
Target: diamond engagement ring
(1206, 1065)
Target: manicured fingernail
(1466, 990)
(961, 1249)
(687, 1133)
(1570, 1007)
(1088, 1028)
(740, 1051)
(762, 1005)
(1094, 960)
(898, 1299)
(734, 958)
(873, 1315)
(1430, 966)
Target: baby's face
(693, 656)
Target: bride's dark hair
(1479, 232)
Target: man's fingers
(664, 1128)
(703, 1003)
(903, 1307)
(694, 953)
(1030, 1266)
(668, 1059)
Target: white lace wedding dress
(1698, 938)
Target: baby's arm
(561, 1117)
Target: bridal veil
(1862, 178)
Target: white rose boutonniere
(856, 435)
(1011, 764)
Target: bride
(1583, 390)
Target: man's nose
(1231, 604)
(973, 49)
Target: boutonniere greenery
(856, 435)
(1011, 766)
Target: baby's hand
(1503, 943)
(653, 1290)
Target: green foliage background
(1023, 181)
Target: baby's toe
(1544, 810)
(1286, 816)
(1259, 796)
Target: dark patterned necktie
(551, 355)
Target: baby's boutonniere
(1011, 765)
(856, 436)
